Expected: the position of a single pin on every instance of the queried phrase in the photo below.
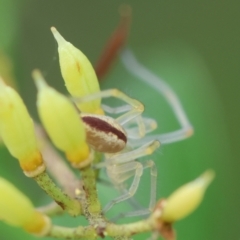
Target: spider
(110, 136)
(146, 76)
(121, 165)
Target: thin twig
(50, 209)
(115, 42)
(61, 198)
(93, 207)
(56, 165)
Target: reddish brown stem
(115, 42)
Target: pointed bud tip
(187, 198)
(53, 29)
(207, 177)
(2, 83)
(59, 38)
(38, 79)
(15, 207)
(125, 10)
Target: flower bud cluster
(66, 130)
(62, 123)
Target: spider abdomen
(103, 133)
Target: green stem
(51, 209)
(97, 159)
(127, 230)
(118, 232)
(94, 208)
(62, 199)
(81, 233)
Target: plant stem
(73, 233)
(50, 209)
(118, 232)
(62, 199)
(127, 230)
(93, 206)
(56, 166)
(97, 158)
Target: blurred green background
(192, 45)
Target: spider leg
(124, 157)
(132, 201)
(132, 190)
(141, 212)
(146, 76)
(133, 132)
(116, 110)
(120, 173)
(164, 138)
(155, 236)
(153, 190)
(136, 109)
(144, 150)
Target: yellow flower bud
(17, 210)
(6, 69)
(62, 122)
(78, 74)
(187, 198)
(17, 131)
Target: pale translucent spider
(110, 135)
(159, 85)
(186, 130)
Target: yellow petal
(187, 198)
(17, 130)
(6, 69)
(15, 208)
(38, 225)
(61, 121)
(78, 73)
